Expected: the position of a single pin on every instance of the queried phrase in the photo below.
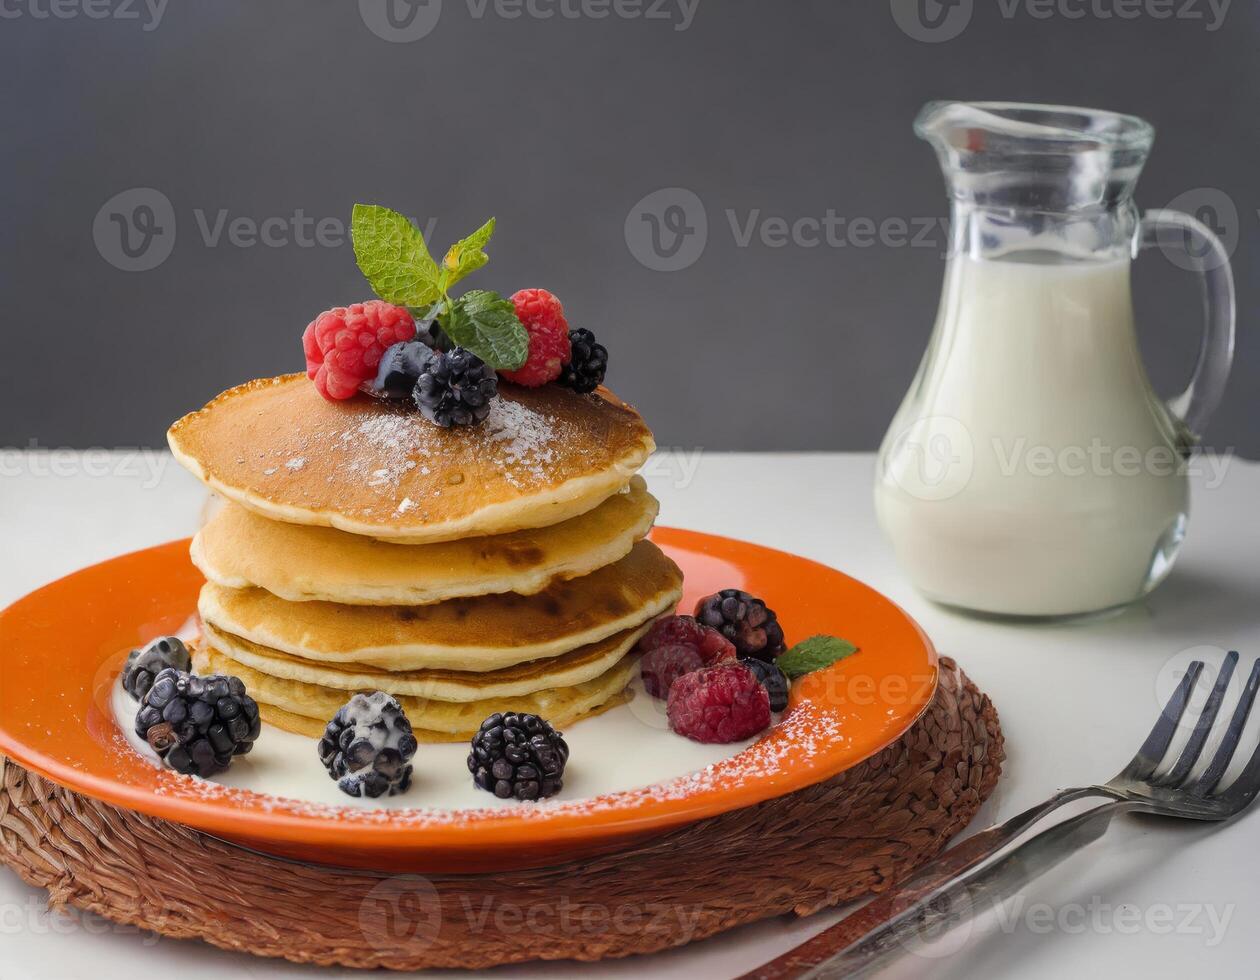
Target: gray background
(559, 126)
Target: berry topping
(456, 388)
(145, 664)
(677, 645)
(368, 747)
(587, 365)
(662, 665)
(197, 724)
(772, 679)
(720, 704)
(344, 345)
(543, 318)
(400, 369)
(711, 645)
(518, 755)
(745, 620)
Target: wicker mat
(821, 846)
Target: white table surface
(1149, 899)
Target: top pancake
(542, 456)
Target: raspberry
(662, 665)
(718, 704)
(710, 645)
(549, 348)
(344, 345)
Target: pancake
(575, 667)
(475, 634)
(542, 456)
(239, 549)
(307, 708)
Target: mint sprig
(395, 259)
(813, 654)
(393, 256)
(486, 324)
(467, 255)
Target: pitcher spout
(1036, 157)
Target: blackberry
(518, 755)
(456, 388)
(197, 724)
(587, 365)
(368, 747)
(145, 664)
(745, 620)
(400, 369)
(772, 679)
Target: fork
(963, 880)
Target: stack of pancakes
(498, 567)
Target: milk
(1032, 470)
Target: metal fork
(964, 880)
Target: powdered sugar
(525, 438)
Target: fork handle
(905, 899)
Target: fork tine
(1203, 727)
(1152, 751)
(1244, 788)
(1220, 762)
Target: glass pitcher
(1031, 470)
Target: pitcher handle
(1192, 245)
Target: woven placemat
(831, 843)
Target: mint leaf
(393, 256)
(813, 654)
(468, 255)
(486, 324)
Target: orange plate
(61, 650)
